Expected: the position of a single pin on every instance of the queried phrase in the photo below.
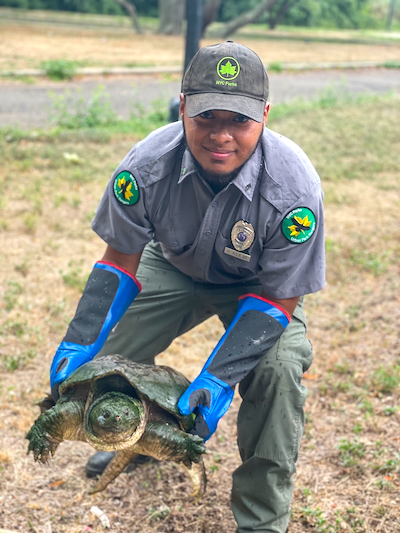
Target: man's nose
(221, 133)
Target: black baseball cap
(228, 77)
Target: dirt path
(28, 106)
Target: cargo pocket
(293, 345)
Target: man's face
(221, 141)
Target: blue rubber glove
(108, 293)
(211, 398)
(256, 326)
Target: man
(235, 211)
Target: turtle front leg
(114, 468)
(163, 440)
(61, 422)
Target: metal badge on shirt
(242, 237)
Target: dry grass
(26, 46)
(47, 201)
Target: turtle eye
(106, 414)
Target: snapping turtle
(117, 405)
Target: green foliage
(351, 451)
(71, 113)
(59, 69)
(386, 378)
(392, 64)
(159, 513)
(326, 13)
(104, 7)
(74, 277)
(16, 328)
(275, 66)
(15, 362)
(231, 9)
(391, 465)
(30, 221)
(389, 411)
(11, 294)
(331, 13)
(370, 262)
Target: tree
(329, 13)
(276, 15)
(246, 18)
(130, 8)
(171, 13)
(210, 12)
(390, 15)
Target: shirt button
(202, 252)
(208, 232)
(175, 244)
(214, 204)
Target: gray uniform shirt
(177, 208)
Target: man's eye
(241, 118)
(207, 114)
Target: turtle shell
(161, 385)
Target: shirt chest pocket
(176, 239)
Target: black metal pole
(194, 17)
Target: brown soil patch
(26, 46)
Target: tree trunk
(131, 10)
(273, 21)
(210, 12)
(171, 14)
(246, 18)
(390, 15)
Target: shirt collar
(245, 181)
(188, 165)
(247, 178)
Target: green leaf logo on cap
(126, 189)
(299, 225)
(228, 68)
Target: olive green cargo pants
(271, 417)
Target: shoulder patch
(299, 225)
(126, 189)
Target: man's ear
(266, 111)
(182, 105)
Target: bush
(70, 113)
(59, 69)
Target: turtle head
(114, 417)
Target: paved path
(28, 106)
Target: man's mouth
(221, 155)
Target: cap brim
(250, 107)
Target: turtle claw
(195, 448)
(41, 445)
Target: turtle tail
(197, 473)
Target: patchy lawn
(27, 45)
(348, 477)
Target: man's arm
(109, 291)
(257, 325)
(128, 262)
(289, 304)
